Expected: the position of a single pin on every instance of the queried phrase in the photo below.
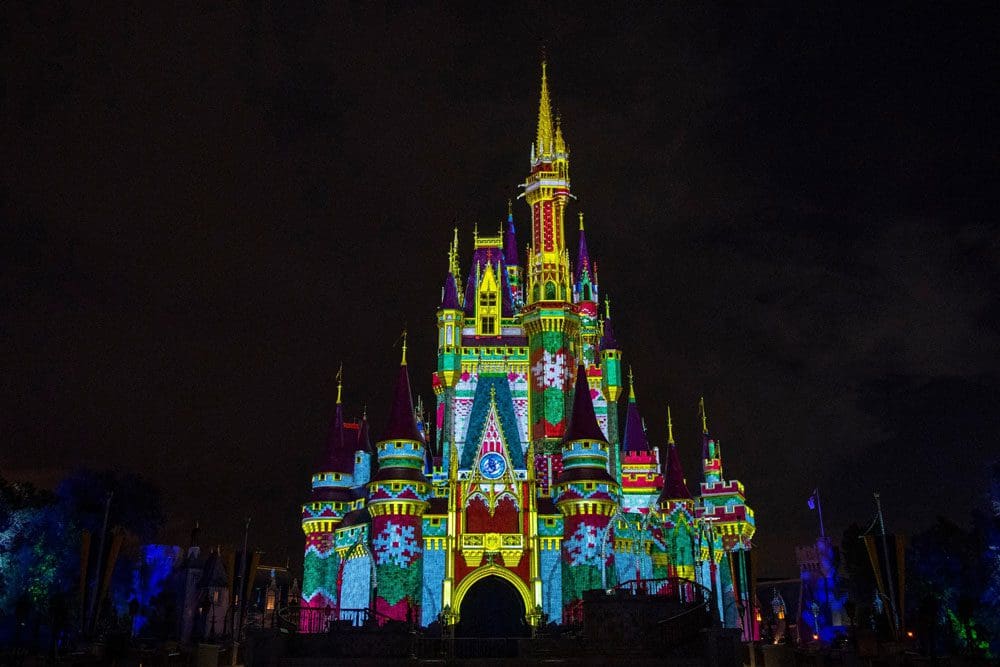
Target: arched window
(550, 291)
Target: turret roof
(674, 486)
(449, 299)
(583, 421)
(583, 256)
(635, 439)
(339, 455)
(402, 422)
(510, 240)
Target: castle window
(550, 291)
(488, 311)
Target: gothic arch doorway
(492, 607)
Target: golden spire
(543, 141)
(607, 307)
(510, 207)
(560, 142)
(631, 384)
(704, 415)
(453, 255)
(403, 362)
(581, 221)
(670, 428)
(340, 381)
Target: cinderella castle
(530, 491)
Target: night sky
(204, 211)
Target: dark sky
(206, 210)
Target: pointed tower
(587, 496)
(611, 382)
(330, 501)
(722, 505)
(585, 290)
(363, 454)
(547, 191)
(551, 321)
(515, 276)
(677, 511)
(398, 497)
(641, 478)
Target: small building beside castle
(530, 491)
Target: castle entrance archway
(492, 607)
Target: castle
(529, 488)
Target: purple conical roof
(402, 423)
(583, 422)
(608, 340)
(635, 436)
(339, 456)
(674, 487)
(449, 300)
(583, 259)
(510, 243)
(364, 438)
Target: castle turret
(587, 496)
(550, 318)
(363, 454)
(330, 501)
(641, 478)
(515, 276)
(677, 510)
(611, 383)
(711, 454)
(398, 497)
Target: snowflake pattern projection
(583, 546)
(550, 370)
(396, 544)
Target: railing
(683, 590)
(312, 620)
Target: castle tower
(677, 511)
(501, 515)
(723, 507)
(587, 496)
(515, 275)
(550, 319)
(363, 454)
(329, 502)
(611, 384)
(398, 497)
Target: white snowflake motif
(550, 371)
(396, 543)
(584, 544)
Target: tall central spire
(546, 190)
(544, 139)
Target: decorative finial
(631, 384)
(544, 136)
(510, 209)
(340, 380)
(607, 307)
(403, 363)
(364, 411)
(704, 415)
(475, 233)
(453, 256)
(581, 221)
(670, 428)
